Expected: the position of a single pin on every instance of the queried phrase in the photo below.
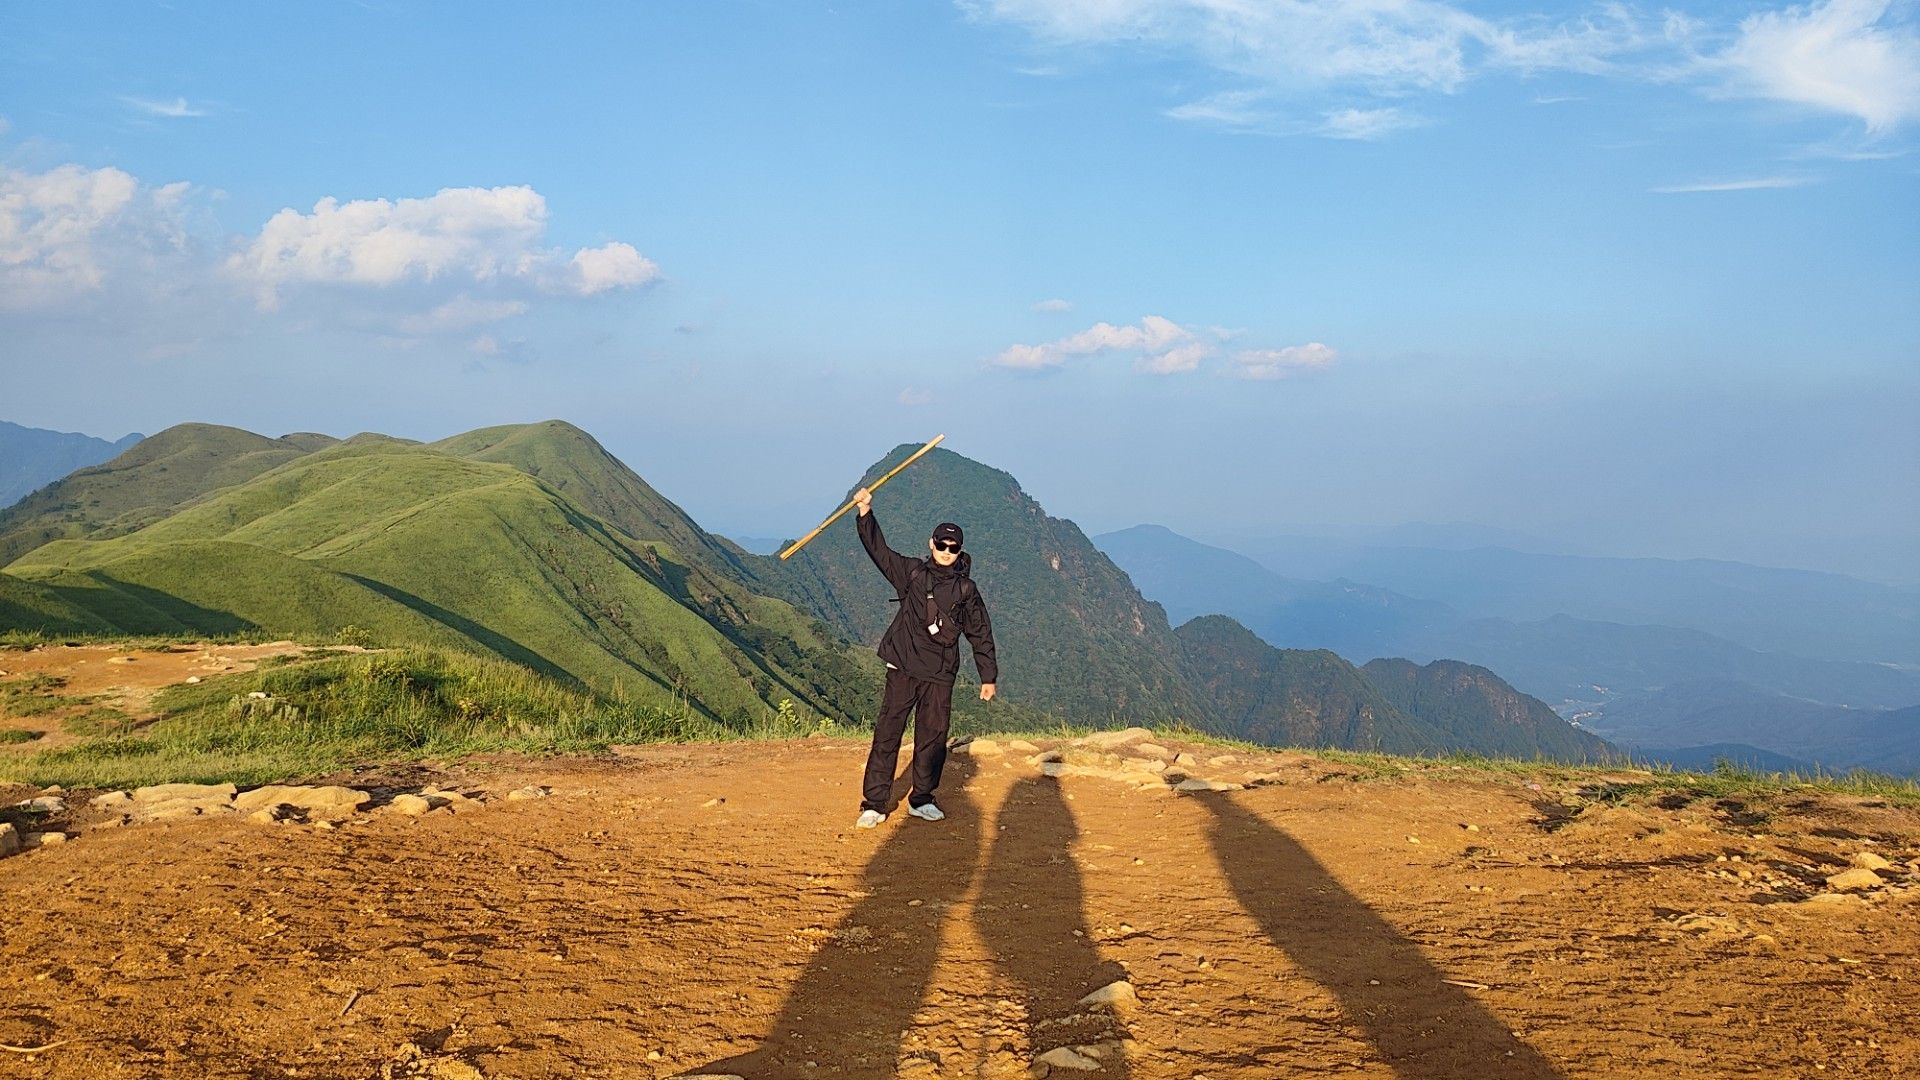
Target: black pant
(931, 704)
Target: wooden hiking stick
(871, 488)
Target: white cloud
(66, 231)
(1051, 307)
(612, 266)
(1176, 361)
(1759, 183)
(484, 345)
(1842, 56)
(1280, 363)
(914, 396)
(1154, 333)
(1366, 124)
(482, 235)
(174, 109)
(1235, 110)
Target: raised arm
(895, 567)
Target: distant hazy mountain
(32, 458)
(1454, 697)
(1710, 712)
(1559, 658)
(1799, 612)
(1707, 758)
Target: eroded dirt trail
(710, 908)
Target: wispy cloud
(1843, 56)
(1367, 124)
(1283, 363)
(1758, 183)
(914, 397)
(1053, 307)
(175, 109)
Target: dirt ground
(711, 909)
(123, 679)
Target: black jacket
(955, 603)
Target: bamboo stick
(871, 488)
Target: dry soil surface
(710, 909)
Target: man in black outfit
(938, 602)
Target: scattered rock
(1053, 768)
(1867, 860)
(1194, 783)
(112, 800)
(1471, 828)
(9, 840)
(1185, 761)
(1022, 746)
(708, 805)
(43, 839)
(45, 804)
(165, 792)
(193, 680)
(1151, 749)
(176, 809)
(1148, 765)
(983, 748)
(1046, 756)
(1832, 899)
(1413, 839)
(1116, 994)
(1223, 759)
(271, 815)
(1856, 878)
(329, 799)
(1113, 740)
(531, 791)
(411, 805)
(257, 695)
(119, 659)
(1067, 1057)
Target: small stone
(411, 805)
(166, 792)
(9, 840)
(193, 680)
(269, 816)
(119, 659)
(1856, 878)
(984, 748)
(1116, 994)
(1471, 828)
(1150, 749)
(1413, 839)
(112, 800)
(1185, 761)
(257, 695)
(708, 805)
(42, 839)
(1221, 760)
(1113, 740)
(531, 791)
(1022, 746)
(45, 804)
(1066, 1057)
(331, 798)
(1867, 860)
(1194, 783)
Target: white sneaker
(929, 812)
(869, 818)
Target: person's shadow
(848, 1011)
(1032, 915)
(1421, 1026)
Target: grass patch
(17, 735)
(316, 716)
(24, 640)
(103, 721)
(35, 695)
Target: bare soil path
(710, 908)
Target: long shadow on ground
(858, 995)
(1032, 915)
(1424, 1028)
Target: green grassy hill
(154, 478)
(416, 545)
(1468, 702)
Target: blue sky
(1639, 279)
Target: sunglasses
(947, 545)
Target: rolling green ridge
(415, 545)
(1467, 702)
(147, 482)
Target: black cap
(947, 530)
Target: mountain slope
(1711, 712)
(147, 482)
(1467, 703)
(32, 458)
(419, 545)
(1291, 697)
